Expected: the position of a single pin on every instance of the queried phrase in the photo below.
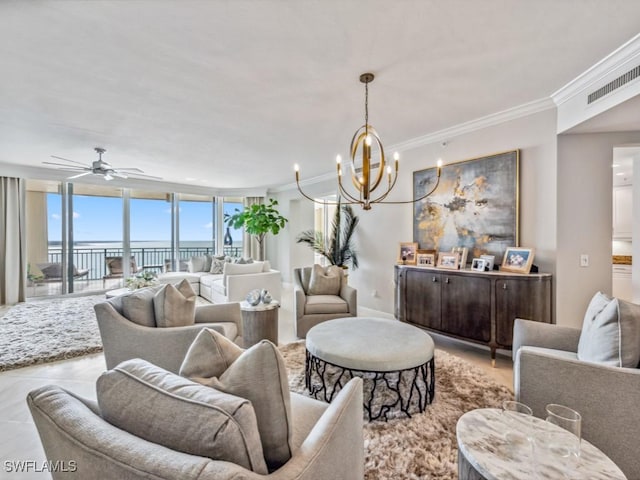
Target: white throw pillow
(197, 264)
(610, 332)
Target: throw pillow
(138, 307)
(610, 332)
(217, 266)
(325, 281)
(182, 415)
(175, 307)
(243, 261)
(257, 374)
(197, 264)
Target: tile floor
(18, 436)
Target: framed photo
(463, 251)
(407, 253)
(518, 260)
(489, 261)
(478, 264)
(477, 199)
(448, 260)
(425, 259)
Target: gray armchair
(310, 310)
(547, 370)
(327, 442)
(123, 339)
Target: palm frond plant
(339, 247)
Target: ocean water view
(154, 255)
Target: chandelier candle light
(363, 176)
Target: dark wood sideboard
(476, 306)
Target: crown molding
(595, 74)
(445, 134)
(508, 115)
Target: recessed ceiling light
(190, 179)
(615, 165)
(621, 173)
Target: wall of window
(77, 228)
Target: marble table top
(482, 441)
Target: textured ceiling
(231, 94)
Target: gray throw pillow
(325, 281)
(610, 332)
(175, 306)
(257, 374)
(243, 261)
(185, 416)
(217, 266)
(138, 307)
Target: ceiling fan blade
(68, 167)
(133, 169)
(67, 160)
(79, 175)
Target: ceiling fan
(100, 167)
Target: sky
(100, 219)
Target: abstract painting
(474, 206)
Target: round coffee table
(259, 322)
(485, 454)
(394, 359)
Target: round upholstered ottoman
(394, 359)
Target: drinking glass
(518, 417)
(569, 420)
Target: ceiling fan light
(108, 177)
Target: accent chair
(547, 370)
(165, 347)
(312, 309)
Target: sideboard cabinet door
(466, 306)
(423, 298)
(520, 298)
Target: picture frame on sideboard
(517, 260)
(425, 259)
(478, 264)
(449, 260)
(407, 253)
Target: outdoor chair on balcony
(115, 268)
(52, 272)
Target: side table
(117, 292)
(259, 322)
(485, 454)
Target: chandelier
(367, 170)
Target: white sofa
(233, 284)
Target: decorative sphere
(253, 297)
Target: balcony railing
(151, 258)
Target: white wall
(584, 219)
(384, 226)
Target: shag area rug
(423, 446)
(43, 331)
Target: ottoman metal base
(386, 394)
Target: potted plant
(338, 249)
(258, 220)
